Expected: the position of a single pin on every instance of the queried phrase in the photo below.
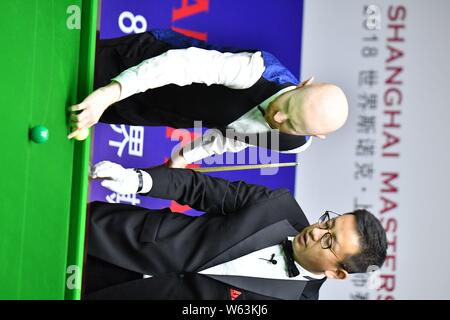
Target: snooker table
(47, 63)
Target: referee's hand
(115, 177)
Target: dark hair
(372, 240)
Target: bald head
(322, 108)
(314, 109)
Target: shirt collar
(266, 102)
(305, 273)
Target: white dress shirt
(195, 65)
(192, 65)
(251, 265)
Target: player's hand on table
(115, 177)
(92, 108)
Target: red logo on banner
(187, 10)
(234, 294)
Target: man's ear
(306, 82)
(280, 117)
(340, 274)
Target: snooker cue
(246, 167)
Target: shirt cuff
(126, 90)
(147, 182)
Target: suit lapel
(268, 236)
(272, 139)
(263, 238)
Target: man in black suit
(247, 97)
(251, 243)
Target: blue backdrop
(270, 25)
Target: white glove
(116, 178)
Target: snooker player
(163, 78)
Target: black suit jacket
(240, 218)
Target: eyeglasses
(327, 238)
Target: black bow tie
(289, 258)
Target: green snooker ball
(39, 134)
